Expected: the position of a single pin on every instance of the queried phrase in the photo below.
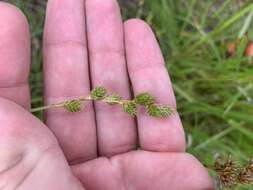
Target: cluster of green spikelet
(129, 106)
(145, 100)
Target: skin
(86, 44)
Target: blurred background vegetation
(203, 42)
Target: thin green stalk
(214, 138)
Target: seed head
(73, 105)
(155, 110)
(130, 108)
(144, 99)
(98, 93)
(246, 174)
(227, 172)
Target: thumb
(30, 157)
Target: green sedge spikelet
(73, 106)
(130, 108)
(98, 93)
(144, 99)
(155, 110)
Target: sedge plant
(229, 173)
(129, 106)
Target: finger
(14, 55)
(116, 130)
(148, 74)
(66, 77)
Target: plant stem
(81, 99)
(44, 108)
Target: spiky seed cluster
(246, 174)
(230, 174)
(144, 99)
(130, 108)
(227, 172)
(73, 105)
(152, 108)
(158, 110)
(98, 93)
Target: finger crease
(13, 85)
(66, 43)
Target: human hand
(100, 144)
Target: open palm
(86, 45)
